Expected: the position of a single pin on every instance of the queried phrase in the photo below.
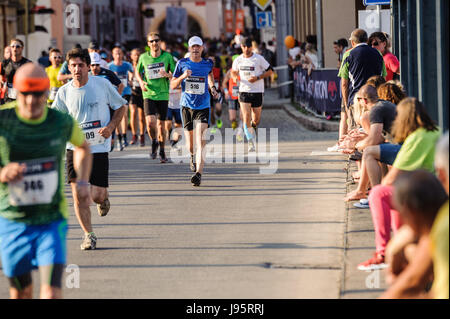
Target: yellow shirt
(52, 74)
(439, 250)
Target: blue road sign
(375, 2)
(263, 19)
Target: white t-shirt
(294, 52)
(253, 66)
(89, 105)
(314, 59)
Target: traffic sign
(263, 19)
(262, 4)
(375, 2)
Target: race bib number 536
(38, 185)
(195, 85)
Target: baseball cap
(195, 40)
(94, 45)
(95, 58)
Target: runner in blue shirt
(195, 76)
(124, 70)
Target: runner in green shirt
(154, 72)
(33, 209)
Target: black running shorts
(153, 107)
(189, 116)
(255, 99)
(233, 105)
(99, 173)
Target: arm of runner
(266, 73)
(138, 75)
(82, 160)
(226, 78)
(120, 88)
(212, 86)
(64, 77)
(12, 172)
(176, 81)
(117, 117)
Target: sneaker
(120, 145)
(162, 157)
(142, 140)
(125, 142)
(374, 263)
(219, 123)
(334, 148)
(154, 149)
(133, 140)
(192, 165)
(196, 179)
(239, 138)
(361, 205)
(103, 208)
(251, 146)
(213, 129)
(89, 242)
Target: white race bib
(195, 85)
(52, 95)
(124, 81)
(247, 72)
(153, 70)
(90, 130)
(38, 185)
(235, 91)
(12, 93)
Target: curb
(310, 122)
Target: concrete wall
(338, 18)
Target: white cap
(195, 40)
(95, 58)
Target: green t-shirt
(39, 197)
(149, 67)
(417, 152)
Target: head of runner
(117, 55)
(32, 85)
(247, 48)
(16, 46)
(78, 61)
(154, 43)
(195, 49)
(55, 57)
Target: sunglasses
(95, 65)
(16, 46)
(153, 41)
(58, 57)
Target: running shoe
(334, 148)
(89, 242)
(251, 146)
(213, 129)
(142, 140)
(374, 263)
(192, 165)
(125, 142)
(120, 145)
(162, 157)
(196, 179)
(133, 140)
(155, 145)
(103, 208)
(239, 138)
(363, 203)
(219, 123)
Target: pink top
(392, 65)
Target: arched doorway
(193, 28)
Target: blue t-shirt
(64, 68)
(195, 88)
(122, 73)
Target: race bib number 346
(90, 130)
(38, 185)
(195, 85)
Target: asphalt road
(243, 233)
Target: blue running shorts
(26, 247)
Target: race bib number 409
(38, 185)
(195, 85)
(90, 130)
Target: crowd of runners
(80, 107)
